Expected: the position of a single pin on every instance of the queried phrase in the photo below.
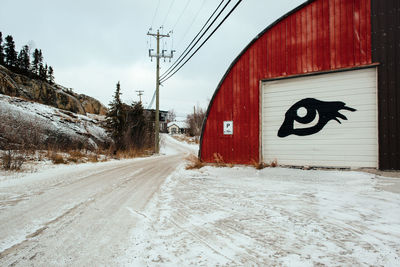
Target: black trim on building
(385, 38)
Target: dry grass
(197, 140)
(57, 158)
(194, 163)
(130, 153)
(93, 158)
(219, 160)
(263, 165)
(76, 156)
(12, 161)
(259, 165)
(274, 163)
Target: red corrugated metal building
(323, 54)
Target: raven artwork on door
(311, 107)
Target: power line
(169, 10)
(230, 12)
(155, 14)
(190, 46)
(152, 100)
(180, 16)
(173, 66)
(191, 24)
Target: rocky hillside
(17, 85)
(29, 125)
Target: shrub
(57, 158)
(76, 156)
(12, 161)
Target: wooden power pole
(158, 55)
(140, 93)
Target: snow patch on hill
(49, 123)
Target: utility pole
(140, 93)
(157, 55)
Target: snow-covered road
(153, 212)
(78, 214)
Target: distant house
(177, 127)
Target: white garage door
(300, 120)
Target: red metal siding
(321, 35)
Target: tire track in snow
(101, 217)
(91, 198)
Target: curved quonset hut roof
(319, 35)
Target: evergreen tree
(40, 57)
(43, 72)
(51, 75)
(115, 118)
(1, 50)
(10, 53)
(35, 62)
(41, 69)
(137, 132)
(24, 59)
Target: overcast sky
(93, 44)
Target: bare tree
(195, 121)
(171, 115)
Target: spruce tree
(35, 62)
(24, 59)
(43, 72)
(136, 126)
(115, 118)
(10, 53)
(51, 75)
(41, 69)
(1, 50)
(40, 57)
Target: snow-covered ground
(126, 213)
(273, 217)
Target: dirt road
(80, 214)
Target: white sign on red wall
(228, 127)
